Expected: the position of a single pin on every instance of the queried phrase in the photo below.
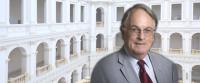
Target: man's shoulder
(161, 57)
(109, 60)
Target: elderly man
(134, 63)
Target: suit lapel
(157, 66)
(126, 68)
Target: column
(4, 16)
(32, 11)
(92, 29)
(79, 71)
(63, 51)
(25, 11)
(4, 65)
(50, 56)
(165, 43)
(64, 11)
(109, 28)
(186, 44)
(78, 46)
(165, 11)
(186, 10)
(93, 44)
(69, 78)
(67, 47)
(77, 12)
(31, 68)
(51, 11)
(187, 73)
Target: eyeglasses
(147, 31)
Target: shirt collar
(133, 59)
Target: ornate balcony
(19, 79)
(101, 49)
(43, 69)
(175, 51)
(60, 62)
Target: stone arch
(99, 17)
(73, 46)
(195, 46)
(62, 80)
(196, 74)
(119, 42)
(42, 58)
(17, 65)
(85, 71)
(176, 43)
(100, 42)
(157, 43)
(74, 76)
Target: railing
(175, 51)
(83, 52)
(19, 79)
(158, 50)
(101, 49)
(73, 56)
(42, 69)
(60, 61)
(99, 24)
(195, 52)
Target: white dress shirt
(148, 67)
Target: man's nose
(141, 35)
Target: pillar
(187, 73)
(186, 44)
(78, 46)
(51, 11)
(4, 65)
(165, 43)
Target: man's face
(139, 35)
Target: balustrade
(19, 79)
(175, 51)
(60, 61)
(42, 69)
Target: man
(134, 63)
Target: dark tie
(144, 78)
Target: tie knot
(141, 63)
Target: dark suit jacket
(115, 68)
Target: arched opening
(85, 72)
(83, 44)
(60, 59)
(196, 44)
(42, 59)
(73, 45)
(180, 76)
(16, 12)
(100, 43)
(74, 77)
(176, 44)
(41, 11)
(62, 80)
(156, 47)
(119, 42)
(196, 74)
(17, 65)
(99, 17)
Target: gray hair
(127, 16)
